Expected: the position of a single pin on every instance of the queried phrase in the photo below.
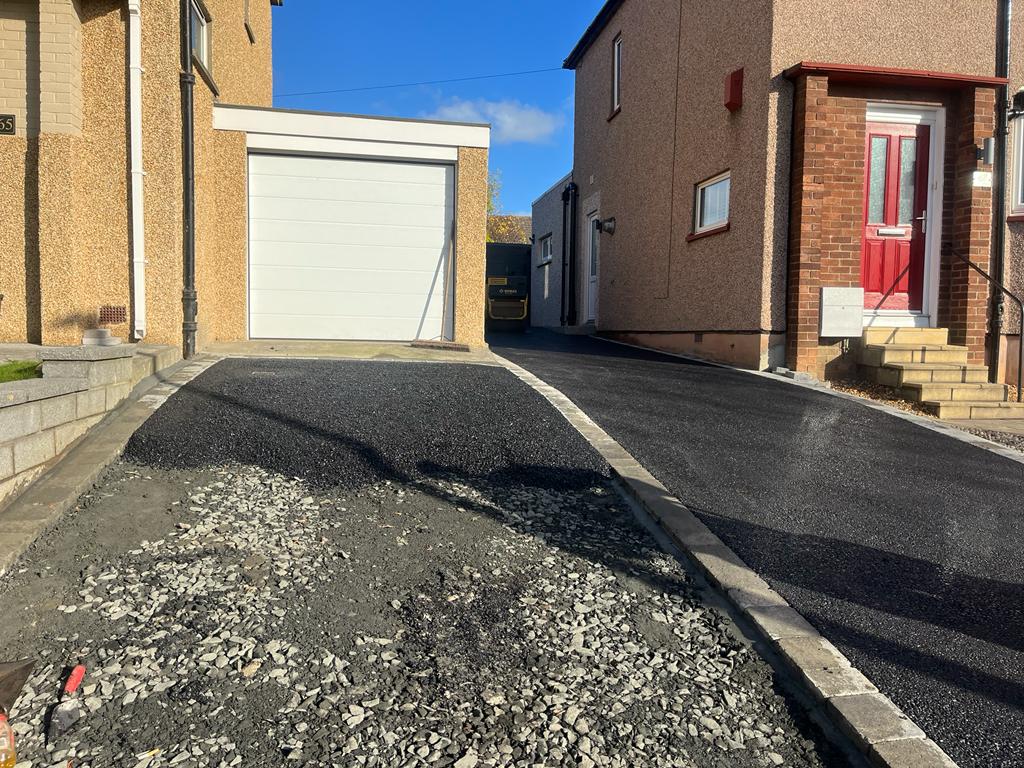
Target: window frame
(1017, 182)
(202, 55)
(616, 75)
(721, 224)
(545, 259)
(248, 25)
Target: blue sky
(322, 45)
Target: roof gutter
(137, 173)
(604, 16)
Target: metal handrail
(1020, 305)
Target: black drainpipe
(572, 193)
(565, 256)
(188, 174)
(999, 183)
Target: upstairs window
(617, 74)
(712, 204)
(201, 35)
(1017, 201)
(545, 251)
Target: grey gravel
(469, 625)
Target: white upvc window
(201, 35)
(617, 74)
(1017, 181)
(712, 203)
(546, 253)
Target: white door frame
(935, 118)
(593, 265)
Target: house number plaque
(6, 125)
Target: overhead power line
(422, 82)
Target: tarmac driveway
(377, 564)
(901, 545)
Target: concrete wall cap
(87, 353)
(30, 390)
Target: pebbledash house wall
(65, 202)
(725, 296)
(546, 278)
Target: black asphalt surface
(351, 424)
(901, 545)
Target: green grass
(20, 369)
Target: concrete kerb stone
(40, 506)
(876, 726)
(909, 753)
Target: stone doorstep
(876, 726)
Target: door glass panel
(593, 247)
(876, 188)
(908, 179)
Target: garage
(343, 248)
(360, 228)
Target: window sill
(205, 74)
(1016, 216)
(614, 114)
(707, 232)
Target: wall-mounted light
(1017, 105)
(987, 151)
(606, 225)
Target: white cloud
(511, 121)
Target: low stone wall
(41, 418)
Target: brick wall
(41, 65)
(60, 66)
(826, 216)
(965, 293)
(19, 61)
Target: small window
(1017, 204)
(617, 74)
(712, 208)
(545, 251)
(200, 35)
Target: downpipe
(137, 174)
(188, 173)
(998, 265)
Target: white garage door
(348, 249)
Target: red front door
(895, 211)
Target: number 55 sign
(6, 125)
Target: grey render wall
(546, 280)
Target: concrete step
(104, 341)
(906, 336)
(879, 355)
(96, 333)
(976, 410)
(901, 374)
(970, 393)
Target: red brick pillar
(807, 193)
(968, 294)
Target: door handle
(923, 218)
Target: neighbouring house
(505, 228)
(151, 188)
(792, 183)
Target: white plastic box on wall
(842, 312)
